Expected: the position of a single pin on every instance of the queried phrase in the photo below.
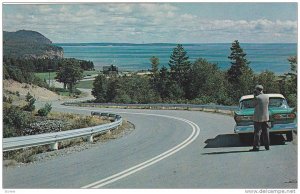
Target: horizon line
(173, 43)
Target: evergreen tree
(180, 68)
(155, 72)
(288, 82)
(162, 84)
(167, 88)
(112, 89)
(240, 76)
(30, 103)
(293, 74)
(238, 62)
(154, 66)
(99, 88)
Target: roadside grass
(12, 158)
(85, 84)
(62, 92)
(45, 75)
(78, 121)
(82, 84)
(124, 129)
(89, 73)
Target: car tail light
(284, 116)
(292, 116)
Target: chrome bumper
(275, 128)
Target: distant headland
(29, 44)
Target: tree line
(45, 65)
(198, 82)
(22, 70)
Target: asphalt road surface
(167, 149)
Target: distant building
(144, 73)
(111, 70)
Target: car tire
(243, 137)
(289, 136)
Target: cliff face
(50, 53)
(54, 53)
(29, 44)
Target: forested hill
(29, 44)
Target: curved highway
(168, 149)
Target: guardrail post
(54, 146)
(90, 138)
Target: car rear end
(282, 117)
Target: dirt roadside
(39, 93)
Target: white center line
(195, 133)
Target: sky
(168, 22)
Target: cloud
(45, 9)
(140, 22)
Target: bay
(134, 57)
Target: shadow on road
(229, 152)
(233, 140)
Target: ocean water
(134, 57)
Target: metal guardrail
(14, 143)
(159, 105)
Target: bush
(47, 126)
(82, 122)
(292, 100)
(14, 120)
(9, 132)
(45, 110)
(86, 121)
(7, 99)
(39, 82)
(30, 106)
(122, 98)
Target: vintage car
(282, 117)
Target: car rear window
(274, 102)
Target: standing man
(261, 118)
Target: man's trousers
(261, 128)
